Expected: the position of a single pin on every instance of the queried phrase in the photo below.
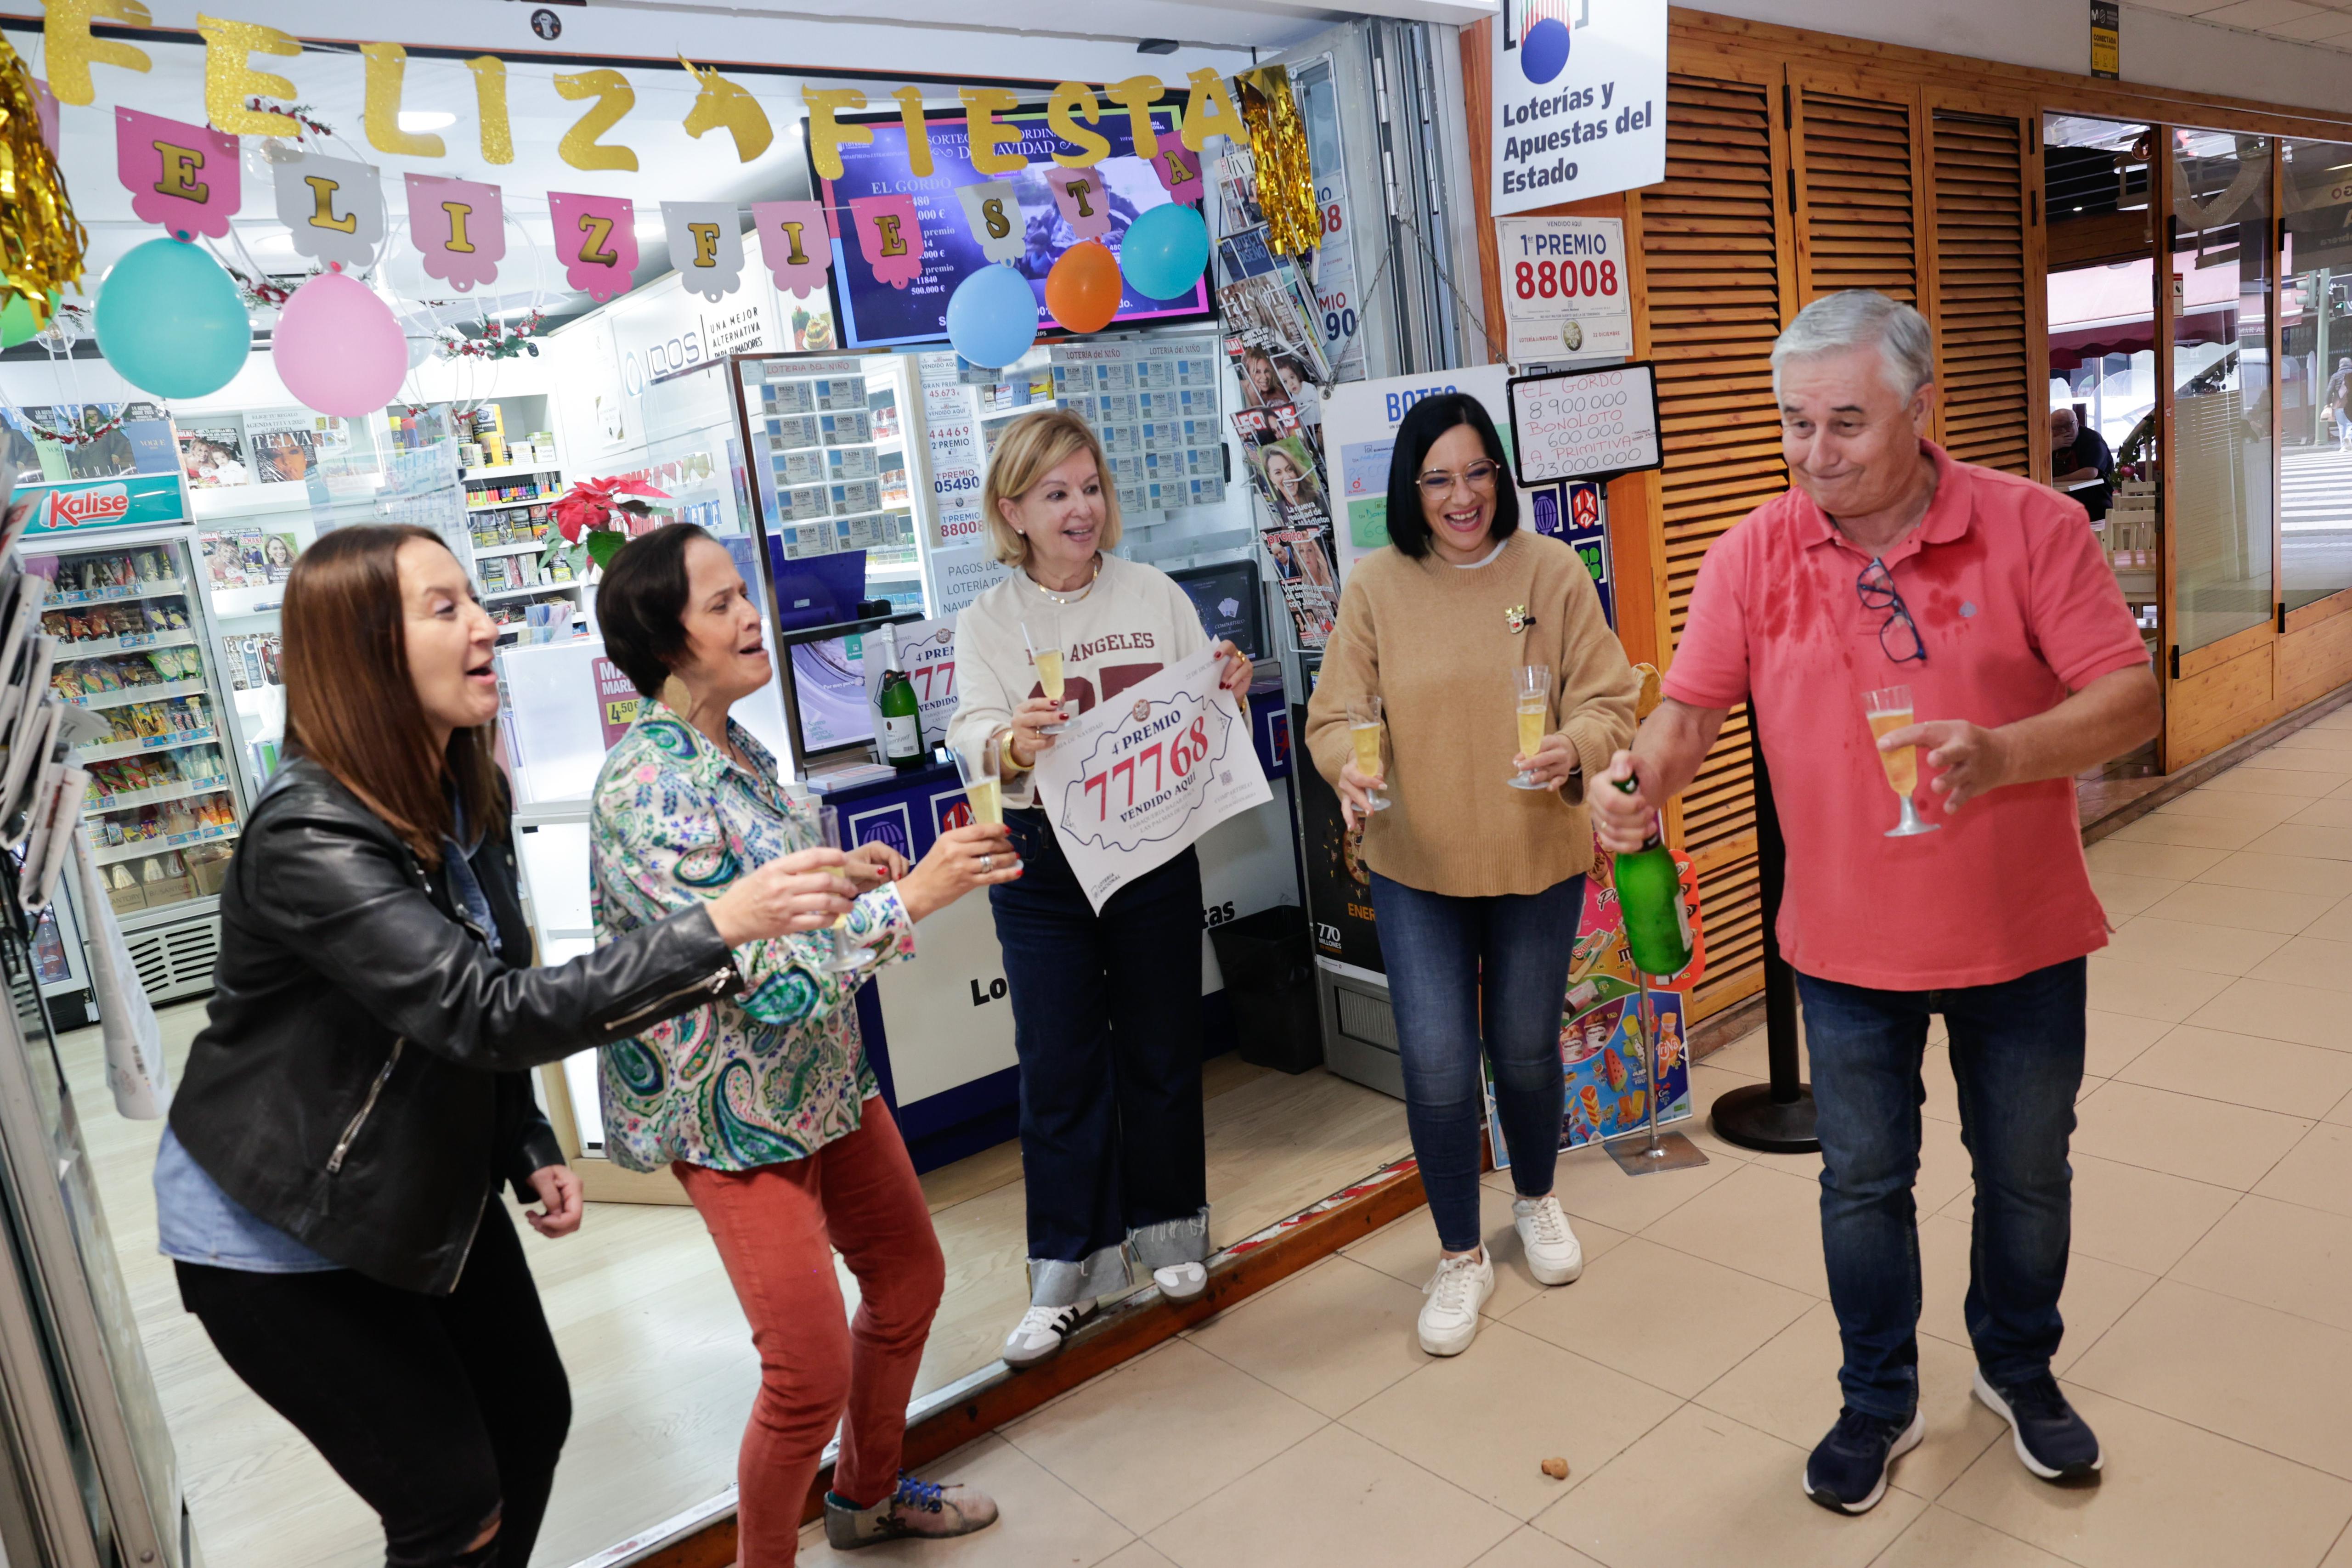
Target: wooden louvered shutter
(1980, 170)
(1712, 239)
(1857, 184)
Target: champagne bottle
(902, 716)
(1650, 898)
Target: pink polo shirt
(2016, 608)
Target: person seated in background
(2078, 455)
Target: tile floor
(2208, 1309)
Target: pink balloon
(337, 348)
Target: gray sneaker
(915, 1509)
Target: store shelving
(107, 751)
(149, 692)
(111, 854)
(165, 588)
(130, 642)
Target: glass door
(2219, 476)
(2315, 378)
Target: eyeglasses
(1437, 482)
(1899, 634)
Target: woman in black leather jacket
(328, 1184)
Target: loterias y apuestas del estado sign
(1580, 99)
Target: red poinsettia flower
(591, 503)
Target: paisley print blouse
(778, 1071)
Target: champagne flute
(1889, 710)
(849, 955)
(982, 770)
(1533, 687)
(1365, 729)
(1040, 630)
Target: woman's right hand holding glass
(1355, 793)
(1027, 739)
(808, 891)
(960, 860)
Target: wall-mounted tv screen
(874, 313)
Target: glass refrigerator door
(163, 805)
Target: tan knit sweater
(1434, 641)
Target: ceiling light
(417, 120)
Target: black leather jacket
(363, 1081)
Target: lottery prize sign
(1135, 781)
(1564, 288)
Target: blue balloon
(1165, 251)
(993, 317)
(170, 321)
(1543, 53)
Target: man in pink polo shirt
(1891, 565)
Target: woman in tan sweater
(1476, 885)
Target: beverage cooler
(134, 648)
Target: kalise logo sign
(92, 508)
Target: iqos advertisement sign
(81, 505)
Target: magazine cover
(213, 457)
(284, 442)
(106, 439)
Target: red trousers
(777, 1228)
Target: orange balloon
(1082, 290)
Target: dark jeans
(1106, 1022)
(443, 1411)
(1445, 958)
(2017, 1055)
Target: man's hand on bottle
(1623, 818)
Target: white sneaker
(1554, 1256)
(1181, 1281)
(1042, 1332)
(1449, 1319)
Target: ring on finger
(987, 864)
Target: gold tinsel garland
(1285, 179)
(41, 241)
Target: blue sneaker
(1848, 1470)
(2053, 1442)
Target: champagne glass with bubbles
(1041, 628)
(1365, 730)
(849, 955)
(1532, 687)
(983, 769)
(1891, 709)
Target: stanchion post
(1775, 1117)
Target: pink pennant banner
(182, 176)
(596, 237)
(890, 235)
(793, 243)
(460, 226)
(1079, 194)
(1179, 171)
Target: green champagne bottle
(1649, 899)
(902, 716)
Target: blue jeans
(1106, 1023)
(1439, 950)
(2017, 1055)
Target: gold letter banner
(723, 103)
(1285, 181)
(333, 206)
(230, 79)
(994, 213)
(68, 51)
(460, 228)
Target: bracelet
(1005, 739)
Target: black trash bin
(1270, 983)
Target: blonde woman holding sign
(1107, 1027)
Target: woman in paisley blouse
(763, 1104)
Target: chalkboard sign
(1584, 424)
(1226, 595)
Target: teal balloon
(16, 323)
(1165, 251)
(170, 321)
(993, 317)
